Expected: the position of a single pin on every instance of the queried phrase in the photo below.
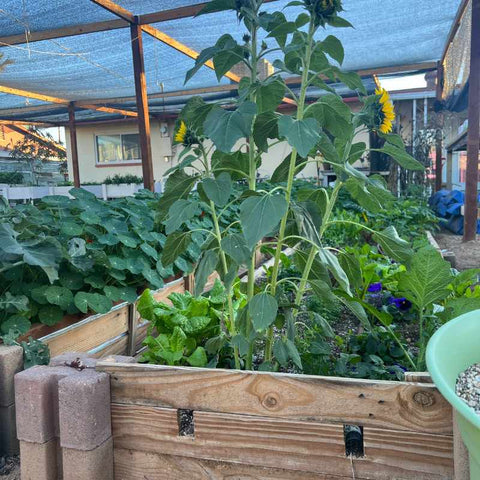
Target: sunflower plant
(223, 144)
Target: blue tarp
(99, 65)
(447, 204)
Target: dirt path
(467, 255)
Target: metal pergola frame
(142, 24)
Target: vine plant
(224, 144)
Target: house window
(118, 148)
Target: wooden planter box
(272, 426)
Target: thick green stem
(252, 185)
(314, 249)
(421, 351)
(291, 177)
(231, 313)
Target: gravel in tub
(468, 387)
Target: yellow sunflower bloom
(387, 112)
(181, 132)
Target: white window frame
(122, 162)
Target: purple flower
(375, 287)
(401, 303)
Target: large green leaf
(235, 246)
(302, 135)
(176, 244)
(218, 189)
(236, 163)
(180, 212)
(393, 245)
(93, 301)
(269, 94)
(50, 314)
(17, 323)
(205, 267)
(404, 159)
(280, 174)
(259, 215)
(149, 250)
(60, 296)
(318, 271)
(333, 265)
(198, 358)
(229, 53)
(45, 254)
(351, 266)
(333, 46)
(225, 127)
(263, 309)
(265, 127)
(332, 114)
(178, 185)
(8, 240)
(426, 279)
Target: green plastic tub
(453, 348)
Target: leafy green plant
(184, 326)
(81, 254)
(11, 178)
(224, 145)
(119, 179)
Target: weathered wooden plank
(394, 405)
(276, 443)
(398, 454)
(134, 465)
(116, 346)
(176, 286)
(265, 442)
(89, 333)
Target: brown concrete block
(40, 461)
(11, 362)
(8, 431)
(84, 402)
(36, 399)
(88, 465)
(66, 359)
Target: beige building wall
(91, 171)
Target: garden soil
(467, 255)
(9, 468)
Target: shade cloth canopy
(387, 33)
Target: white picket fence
(101, 191)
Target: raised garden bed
(237, 424)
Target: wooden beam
(438, 140)
(112, 7)
(142, 105)
(233, 87)
(21, 123)
(34, 95)
(116, 9)
(62, 101)
(127, 113)
(176, 93)
(473, 135)
(182, 48)
(81, 29)
(62, 32)
(175, 14)
(72, 129)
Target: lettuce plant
(223, 144)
